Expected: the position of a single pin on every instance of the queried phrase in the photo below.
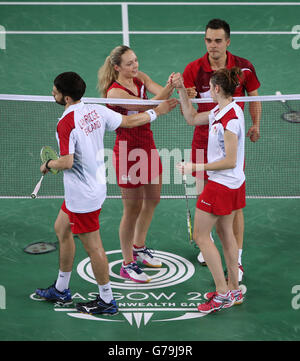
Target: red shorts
(82, 222)
(221, 200)
(136, 167)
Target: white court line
(58, 32)
(125, 19)
(47, 3)
(126, 33)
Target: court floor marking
(87, 3)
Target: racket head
(47, 153)
(40, 247)
(291, 117)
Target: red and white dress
(136, 159)
(80, 132)
(198, 74)
(225, 189)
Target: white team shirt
(229, 118)
(80, 131)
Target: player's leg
(66, 241)
(59, 291)
(238, 230)
(200, 183)
(93, 245)
(230, 249)
(151, 198)
(203, 224)
(132, 199)
(104, 303)
(222, 297)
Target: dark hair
(70, 84)
(227, 79)
(219, 24)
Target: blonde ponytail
(107, 73)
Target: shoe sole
(137, 258)
(55, 300)
(95, 313)
(218, 309)
(98, 313)
(126, 275)
(151, 265)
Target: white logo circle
(174, 270)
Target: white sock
(106, 292)
(211, 237)
(240, 256)
(63, 281)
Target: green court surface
(164, 309)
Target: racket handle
(37, 188)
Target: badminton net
(272, 164)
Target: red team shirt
(136, 159)
(80, 131)
(198, 74)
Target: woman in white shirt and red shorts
(224, 192)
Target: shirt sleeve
(251, 81)
(112, 119)
(66, 135)
(233, 126)
(188, 77)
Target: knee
(132, 211)
(201, 239)
(219, 231)
(151, 203)
(58, 231)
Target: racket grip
(37, 188)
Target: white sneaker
(133, 272)
(145, 256)
(201, 259)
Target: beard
(61, 101)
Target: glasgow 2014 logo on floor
(143, 303)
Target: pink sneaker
(217, 302)
(134, 273)
(237, 294)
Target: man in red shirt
(196, 79)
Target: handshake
(176, 81)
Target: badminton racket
(291, 116)
(188, 212)
(37, 188)
(46, 154)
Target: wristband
(46, 165)
(152, 114)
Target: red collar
(229, 62)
